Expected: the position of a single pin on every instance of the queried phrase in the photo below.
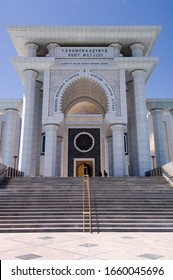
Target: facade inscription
(84, 52)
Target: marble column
(142, 133)
(131, 126)
(31, 49)
(159, 136)
(119, 167)
(37, 130)
(137, 49)
(109, 156)
(51, 49)
(28, 119)
(10, 147)
(117, 48)
(50, 157)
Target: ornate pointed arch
(84, 86)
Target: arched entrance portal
(84, 104)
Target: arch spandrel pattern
(56, 78)
(112, 78)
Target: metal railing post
(86, 202)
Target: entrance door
(83, 166)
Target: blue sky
(89, 12)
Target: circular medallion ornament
(84, 142)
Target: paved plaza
(85, 246)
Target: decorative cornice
(165, 104)
(38, 64)
(11, 104)
(84, 35)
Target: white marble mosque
(84, 103)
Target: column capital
(32, 49)
(118, 126)
(138, 72)
(51, 126)
(32, 72)
(117, 48)
(51, 48)
(156, 111)
(137, 45)
(11, 110)
(52, 45)
(137, 49)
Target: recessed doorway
(81, 165)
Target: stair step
(55, 205)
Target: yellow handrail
(86, 202)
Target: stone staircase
(143, 204)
